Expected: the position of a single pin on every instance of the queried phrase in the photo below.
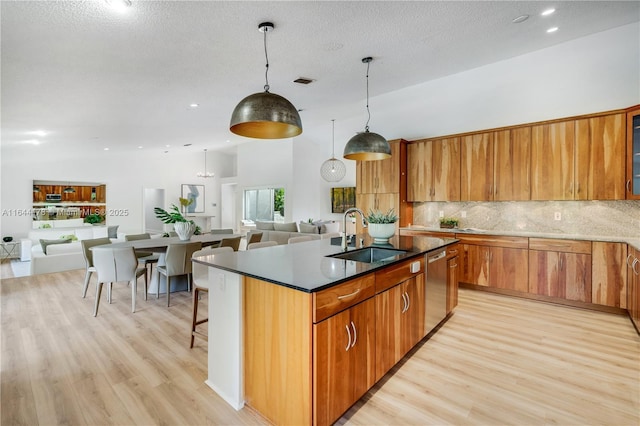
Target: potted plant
(183, 227)
(381, 226)
(448, 222)
(93, 218)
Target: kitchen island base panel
(225, 374)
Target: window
(264, 204)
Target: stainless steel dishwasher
(436, 289)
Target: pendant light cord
(333, 137)
(366, 126)
(266, 57)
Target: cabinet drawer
(566, 246)
(453, 250)
(397, 273)
(342, 296)
(433, 234)
(494, 240)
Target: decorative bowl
(7, 239)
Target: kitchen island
(300, 335)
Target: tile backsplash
(594, 218)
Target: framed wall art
(195, 193)
(342, 199)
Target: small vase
(184, 230)
(381, 232)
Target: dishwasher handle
(432, 258)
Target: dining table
(159, 245)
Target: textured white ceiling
(95, 78)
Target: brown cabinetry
(609, 274)
(633, 154)
(633, 285)
(552, 161)
(560, 268)
(381, 185)
(343, 366)
(433, 170)
(495, 261)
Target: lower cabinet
(560, 268)
(633, 286)
(452, 277)
(400, 325)
(609, 274)
(343, 367)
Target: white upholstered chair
(201, 283)
(88, 259)
(118, 265)
(177, 263)
(144, 258)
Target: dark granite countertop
(306, 267)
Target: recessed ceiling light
(520, 18)
(552, 30)
(119, 5)
(548, 12)
(228, 141)
(32, 141)
(106, 149)
(140, 147)
(194, 105)
(40, 133)
(168, 146)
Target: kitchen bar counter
(307, 268)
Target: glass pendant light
(265, 115)
(205, 174)
(367, 146)
(333, 170)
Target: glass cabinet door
(633, 154)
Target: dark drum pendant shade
(367, 146)
(265, 115)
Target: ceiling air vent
(302, 80)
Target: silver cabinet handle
(561, 262)
(349, 334)
(349, 295)
(355, 335)
(628, 259)
(629, 185)
(404, 304)
(633, 267)
(408, 301)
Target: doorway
(152, 197)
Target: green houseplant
(448, 222)
(173, 216)
(381, 226)
(93, 218)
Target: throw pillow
(45, 243)
(327, 228)
(112, 231)
(308, 228)
(264, 226)
(288, 227)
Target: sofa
(60, 253)
(281, 232)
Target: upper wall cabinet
(433, 170)
(495, 166)
(379, 177)
(552, 161)
(633, 154)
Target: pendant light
(367, 146)
(265, 115)
(205, 174)
(333, 170)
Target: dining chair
(178, 263)
(254, 237)
(222, 231)
(118, 265)
(301, 239)
(88, 259)
(201, 283)
(261, 244)
(233, 242)
(144, 257)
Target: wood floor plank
(498, 360)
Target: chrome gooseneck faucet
(344, 225)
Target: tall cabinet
(633, 154)
(382, 185)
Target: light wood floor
(498, 360)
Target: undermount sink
(370, 254)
